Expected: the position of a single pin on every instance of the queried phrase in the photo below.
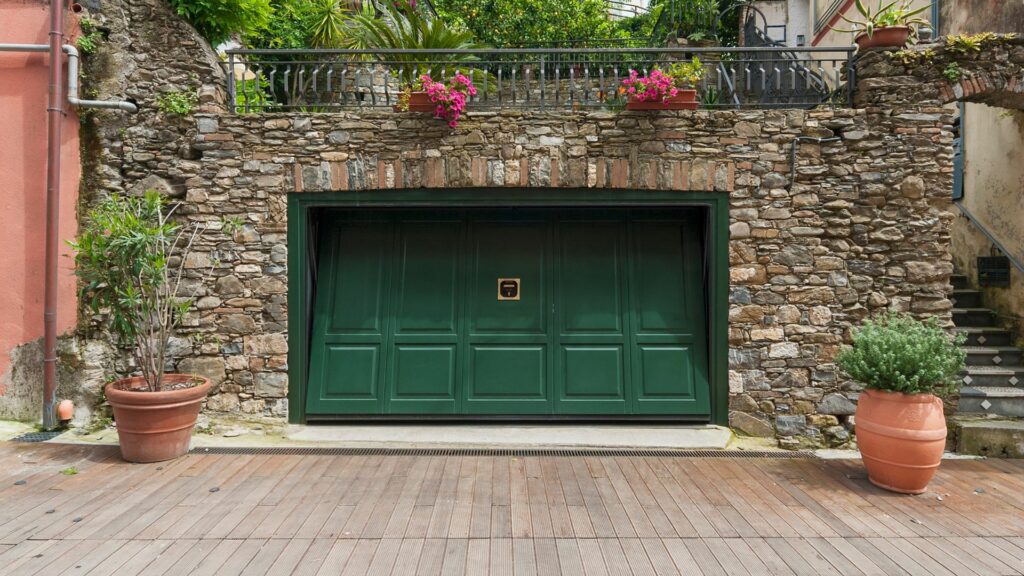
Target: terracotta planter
(886, 37)
(419, 102)
(155, 426)
(901, 438)
(684, 100)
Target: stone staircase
(994, 376)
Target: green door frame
(301, 206)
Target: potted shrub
(660, 90)
(890, 26)
(447, 102)
(906, 366)
(130, 258)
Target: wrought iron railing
(556, 78)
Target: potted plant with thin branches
(906, 367)
(891, 25)
(674, 89)
(131, 259)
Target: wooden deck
(230, 514)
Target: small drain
(508, 452)
(38, 436)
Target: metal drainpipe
(55, 113)
(72, 86)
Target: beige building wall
(994, 194)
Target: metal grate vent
(994, 271)
(38, 436)
(561, 452)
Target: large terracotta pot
(684, 100)
(419, 102)
(155, 426)
(885, 37)
(901, 438)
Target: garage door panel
(424, 372)
(508, 250)
(590, 277)
(666, 372)
(660, 278)
(358, 278)
(350, 381)
(427, 278)
(508, 372)
(593, 372)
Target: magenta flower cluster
(655, 86)
(450, 100)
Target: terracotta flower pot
(155, 426)
(901, 438)
(419, 102)
(684, 100)
(885, 37)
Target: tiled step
(985, 336)
(959, 282)
(977, 317)
(966, 298)
(978, 376)
(1001, 400)
(994, 356)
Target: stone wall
(863, 228)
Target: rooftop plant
(897, 353)
(131, 258)
(895, 13)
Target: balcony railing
(539, 78)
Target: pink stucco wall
(23, 94)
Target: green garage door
(510, 313)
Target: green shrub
(178, 102)
(130, 258)
(530, 22)
(897, 353)
(217, 20)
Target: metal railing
(544, 78)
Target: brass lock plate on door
(508, 289)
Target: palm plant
(407, 29)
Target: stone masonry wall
(863, 228)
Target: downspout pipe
(55, 117)
(73, 83)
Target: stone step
(999, 400)
(974, 317)
(985, 336)
(978, 376)
(994, 356)
(959, 282)
(987, 436)
(966, 298)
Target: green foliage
(91, 36)
(953, 73)
(395, 28)
(687, 74)
(514, 23)
(70, 471)
(178, 102)
(217, 20)
(969, 43)
(710, 98)
(130, 259)
(895, 13)
(897, 353)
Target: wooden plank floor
(476, 515)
